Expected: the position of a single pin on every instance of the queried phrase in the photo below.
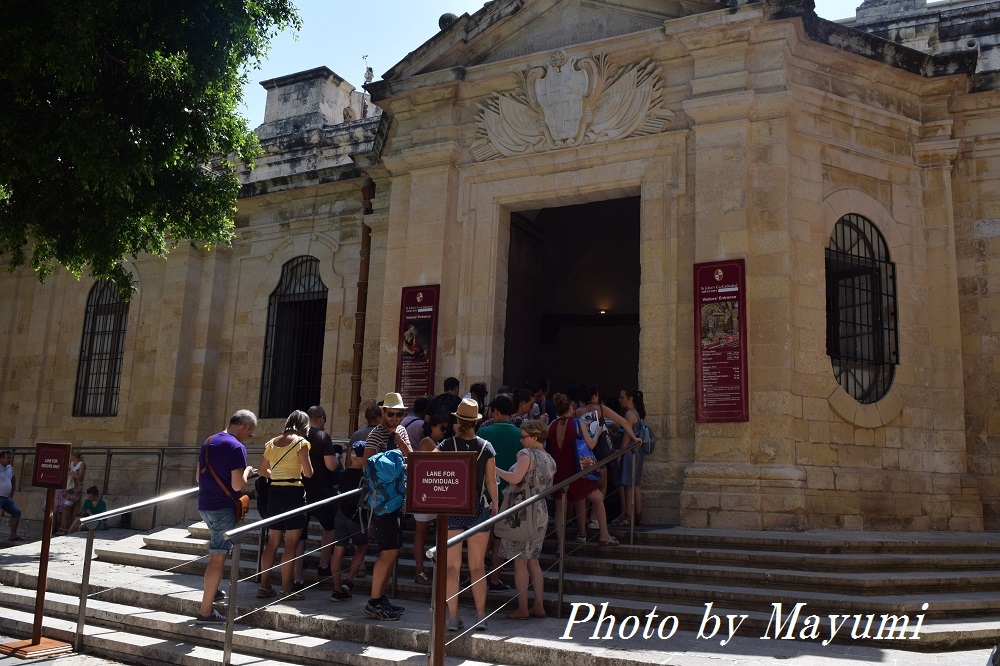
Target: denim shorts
(7, 504)
(219, 521)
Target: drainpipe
(367, 195)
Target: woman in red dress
(561, 445)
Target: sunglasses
(392, 415)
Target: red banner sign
(51, 465)
(721, 378)
(418, 316)
(441, 482)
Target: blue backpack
(385, 483)
(648, 438)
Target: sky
(339, 34)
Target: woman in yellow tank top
(285, 461)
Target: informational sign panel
(721, 379)
(441, 482)
(51, 465)
(418, 318)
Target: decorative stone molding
(570, 103)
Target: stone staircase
(148, 585)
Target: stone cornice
(936, 153)
(423, 157)
(720, 108)
(317, 156)
(882, 50)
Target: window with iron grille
(98, 375)
(861, 324)
(293, 346)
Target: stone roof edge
(362, 155)
(305, 75)
(463, 29)
(871, 46)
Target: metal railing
(90, 522)
(264, 523)
(560, 520)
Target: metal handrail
(89, 552)
(234, 570)
(111, 513)
(561, 521)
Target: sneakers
(323, 572)
(347, 587)
(593, 525)
(481, 624)
(298, 586)
(215, 617)
(381, 609)
(455, 624)
(581, 538)
(220, 595)
(339, 595)
(498, 586)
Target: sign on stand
(51, 471)
(442, 483)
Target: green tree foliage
(119, 130)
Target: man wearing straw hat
(389, 434)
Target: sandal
(266, 592)
(610, 542)
(623, 520)
(515, 616)
(423, 579)
(292, 596)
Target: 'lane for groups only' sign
(441, 482)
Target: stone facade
(746, 131)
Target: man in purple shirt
(226, 456)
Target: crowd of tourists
(525, 441)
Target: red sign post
(51, 471)
(440, 482)
(721, 377)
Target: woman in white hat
(465, 439)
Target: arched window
(293, 346)
(98, 375)
(861, 323)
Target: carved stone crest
(569, 103)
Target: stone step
(178, 594)
(942, 578)
(533, 642)
(148, 636)
(691, 595)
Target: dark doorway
(566, 265)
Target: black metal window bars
(102, 348)
(862, 335)
(293, 345)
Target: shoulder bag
(522, 525)
(241, 502)
(602, 449)
(584, 455)
(262, 486)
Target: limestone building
(560, 168)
